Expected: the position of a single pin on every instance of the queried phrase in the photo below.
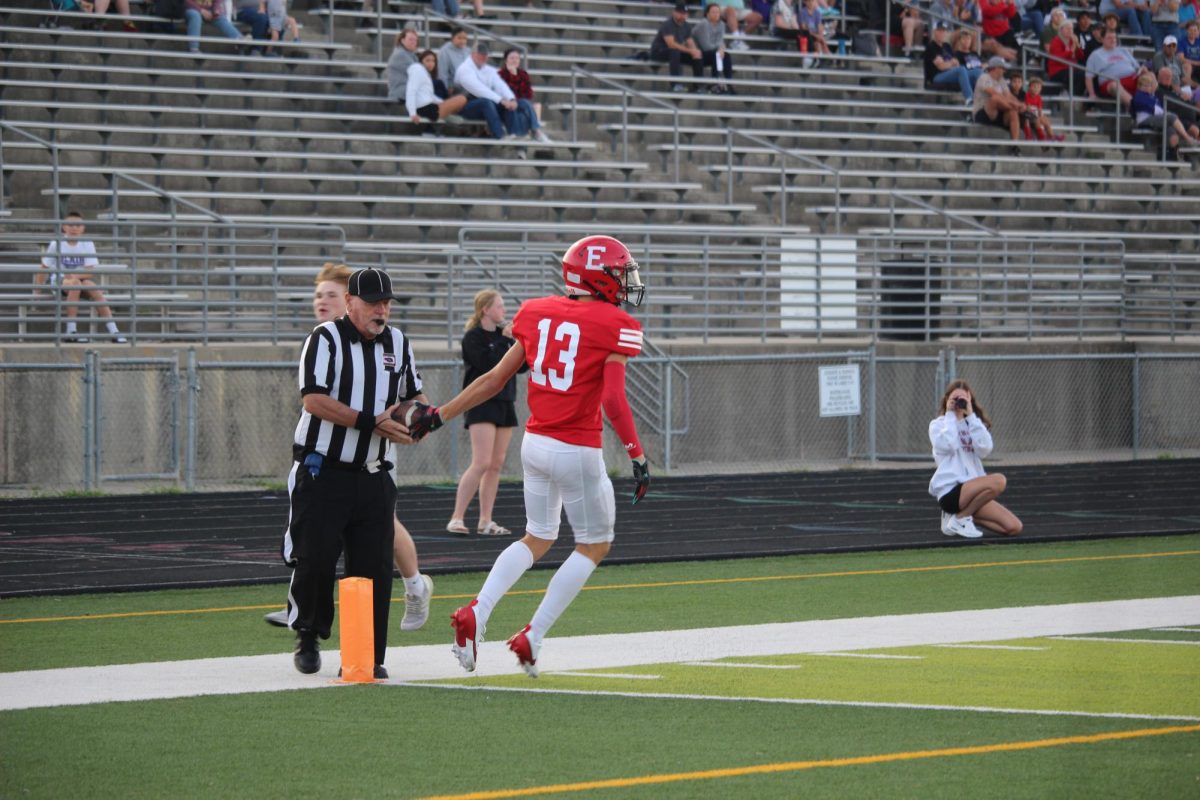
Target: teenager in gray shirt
(404, 56)
(709, 36)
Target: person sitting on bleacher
(1134, 13)
(254, 14)
(1189, 52)
(907, 24)
(1036, 113)
(1164, 20)
(426, 97)
(100, 8)
(403, 56)
(1066, 47)
(942, 68)
(1148, 112)
(809, 18)
(1169, 58)
(709, 36)
(282, 24)
(961, 10)
(513, 74)
(70, 271)
(197, 12)
(1115, 69)
(1187, 101)
(735, 12)
(994, 104)
(674, 45)
(490, 99)
(451, 55)
(785, 25)
(964, 53)
(1057, 17)
(996, 15)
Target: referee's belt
(380, 465)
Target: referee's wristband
(366, 422)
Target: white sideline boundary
(273, 673)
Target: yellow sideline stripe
(652, 585)
(795, 766)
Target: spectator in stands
(942, 68)
(518, 80)
(1189, 51)
(1188, 11)
(1057, 17)
(1083, 25)
(492, 101)
(784, 24)
(809, 18)
(1148, 112)
(1114, 69)
(996, 16)
(965, 54)
(994, 104)
(451, 55)
(1164, 20)
(709, 36)
(957, 10)
(426, 97)
(1134, 13)
(1040, 121)
(1095, 41)
(1066, 47)
(906, 21)
(961, 436)
(254, 14)
(735, 12)
(281, 23)
(448, 8)
(100, 8)
(404, 55)
(991, 47)
(1187, 101)
(674, 45)
(1031, 16)
(197, 12)
(69, 264)
(1168, 58)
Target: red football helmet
(603, 267)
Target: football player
(576, 347)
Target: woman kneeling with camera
(960, 438)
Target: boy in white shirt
(71, 270)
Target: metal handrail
(625, 92)
(893, 196)
(730, 133)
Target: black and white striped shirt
(365, 375)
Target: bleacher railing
(626, 93)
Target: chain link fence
(218, 425)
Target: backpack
(865, 44)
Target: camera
(960, 403)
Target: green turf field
(1117, 714)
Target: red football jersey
(566, 342)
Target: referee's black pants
(335, 509)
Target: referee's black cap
(372, 285)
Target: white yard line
(738, 665)
(800, 701)
(217, 676)
(1179, 630)
(629, 676)
(1123, 639)
(872, 655)
(990, 647)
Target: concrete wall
(756, 412)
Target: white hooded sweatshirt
(958, 447)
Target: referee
(353, 372)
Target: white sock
(508, 569)
(565, 584)
(414, 585)
(70, 327)
(112, 327)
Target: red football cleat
(467, 635)
(525, 651)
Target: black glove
(423, 419)
(641, 480)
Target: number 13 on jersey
(555, 358)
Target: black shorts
(501, 413)
(429, 112)
(983, 119)
(949, 501)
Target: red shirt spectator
(516, 78)
(1066, 47)
(995, 16)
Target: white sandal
(492, 529)
(457, 526)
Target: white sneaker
(946, 523)
(416, 607)
(961, 526)
(739, 44)
(807, 61)
(540, 135)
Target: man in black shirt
(942, 68)
(354, 371)
(674, 44)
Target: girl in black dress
(490, 424)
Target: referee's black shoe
(307, 655)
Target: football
(402, 411)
